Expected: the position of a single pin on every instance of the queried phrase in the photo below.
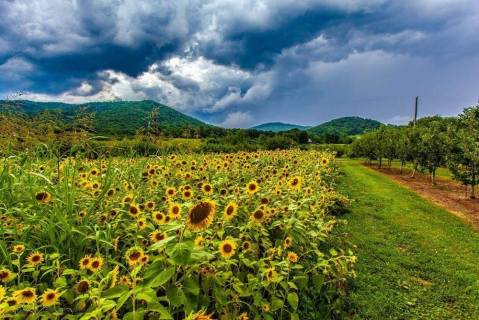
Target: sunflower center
(135, 255)
(258, 214)
(50, 296)
(27, 294)
(227, 248)
(200, 212)
(230, 210)
(41, 196)
(95, 264)
(83, 286)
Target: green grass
(415, 259)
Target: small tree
(463, 160)
(433, 147)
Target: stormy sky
(238, 63)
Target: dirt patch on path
(447, 194)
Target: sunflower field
(218, 236)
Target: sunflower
(18, 249)
(141, 223)
(187, 194)
(96, 264)
(199, 241)
(295, 183)
(124, 281)
(150, 205)
(202, 315)
(324, 161)
(26, 295)
(83, 286)
(111, 192)
(258, 216)
(133, 256)
(292, 257)
(115, 242)
(133, 210)
(288, 242)
(35, 258)
(43, 196)
(174, 210)
(252, 187)
(207, 189)
(5, 275)
(2, 293)
(230, 210)
(244, 316)
(114, 276)
(246, 245)
(158, 217)
(12, 302)
(271, 274)
(127, 199)
(201, 215)
(144, 259)
(85, 262)
(157, 236)
(50, 297)
(308, 191)
(266, 307)
(170, 192)
(227, 248)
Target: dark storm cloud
(243, 62)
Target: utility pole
(413, 130)
(415, 112)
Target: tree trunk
(414, 171)
(473, 186)
(380, 162)
(433, 177)
(402, 167)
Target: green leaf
(138, 315)
(175, 296)
(294, 316)
(115, 292)
(191, 285)
(61, 282)
(276, 303)
(181, 252)
(147, 294)
(293, 300)
(158, 308)
(162, 278)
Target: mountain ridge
(112, 117)
(278, 126)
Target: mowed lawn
(416, 261)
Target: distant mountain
(111, 118)
(345, 126)
(278, 127)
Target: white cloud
(237, 119)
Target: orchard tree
(433, 146)
(463, 160)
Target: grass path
(416, 260)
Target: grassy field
(415, 260)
